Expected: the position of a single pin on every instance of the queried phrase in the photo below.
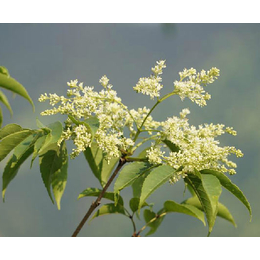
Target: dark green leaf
(59, 177)
(21, 153)
(173, 147)
(223, 212)
(5, 101)
(93, 124)
(109, 209)
(50, 162)
(130, 173)
(171, 206)
(9, 142)
(150, 215)
(154, 180)
(98, 164)
(208, 190)
(13, 85)
(226, 183)
(96, 192)
(9, 129)
(37, 146)
(134, 203)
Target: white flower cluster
(151, 86)
(192, 88)
(198, 148)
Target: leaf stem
(96, 203)
(147, 224)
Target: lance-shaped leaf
(59, 177)
(37, 146)
(172, 206)
(13, 85)
(9, 142)
(4, 70)
(98, 164)
(223, 212)
(130, 173)
(208, 190)
(93, 125)
(153, 220)
(9, 129)
(94, 192)
(50, 162)
(226, 183)
(109, 209)
(134, 203)
(157, 177)
(5, 101)
(53, 136)
(1, 117)
(21, 153)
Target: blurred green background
(43, 57)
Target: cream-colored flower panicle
(151, 86)
(192, 87)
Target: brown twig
(96, 203)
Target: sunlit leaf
(171, 206)
(109, 209)
(9, 142)
(223, 212)
(5, 101)
(226, 183)
(150, 215)
(157, 177)
(13, 85)
(94, 192)
(208, 190)
(9, 129)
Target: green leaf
(21, 153)
(4, 71)
(98, 164)
(226, 183)
(94, 192)
(9, 129)
(93, 124)
(173, 147)
(59, 177)
(154, 180)
(109, 209)
(37, 146)
(150, 215)
(5, 101)
(13, 85)
(10, 141)
(134, 203)
(171, 206)
(143, 154)
(130, 173)
(1, 117)
(223, 212)
(53, 136)
(50, 162)
(208, 190)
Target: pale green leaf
(109, 209)
(9, 142)
(1, 117)
(171, 206)
(226, 183)
(94, 192)
(223, 212)
(98, 164)
(37, 146)
(5, 101)
(208, 190)
(4, 71)
(13, 85)
(154, 180)
(9, 129)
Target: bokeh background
(43, 57)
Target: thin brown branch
(96, 203)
